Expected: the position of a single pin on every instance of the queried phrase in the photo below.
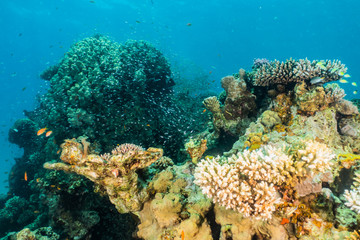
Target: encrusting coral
(177, 208)
(246, 182)
(116, 175)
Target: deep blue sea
(200, 38)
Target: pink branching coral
(125, 148)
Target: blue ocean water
(212, 38)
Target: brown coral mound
(297, 70)
(239, 101)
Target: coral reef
(45, 233)
(114, 93)
(115, 175)
(276, 177)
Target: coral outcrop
(239, 106)
(177, 208)
(114, 175)
(114, 93)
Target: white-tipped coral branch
(353, 196)
(246, 181)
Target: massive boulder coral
(113, 93)
(114, 174)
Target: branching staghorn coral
(297, 70)
(246, 182)
(115, 175)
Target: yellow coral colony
(115, 173)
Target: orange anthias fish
(182, 235)
(285, 221)
(25, 176)
(48, 133)
(41, 131)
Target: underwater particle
(188, 24)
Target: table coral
(291, 71)
(116, 177)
